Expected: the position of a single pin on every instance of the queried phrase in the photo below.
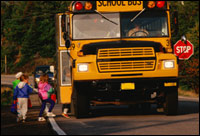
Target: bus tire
(171, 101)
(81, 103)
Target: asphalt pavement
(32, 126)
(108, 120)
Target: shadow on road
(121, 120)
(185, 107)
(188, 107)
(112, 110)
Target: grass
(6, 96)
(189, 93)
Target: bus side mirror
(64, 26)
(175, 22)
(65, 29)
(67, 43)
(63, 23)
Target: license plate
(127, 86)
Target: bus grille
(126, 66)
(133, 52)
(126, 59)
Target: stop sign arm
(183, 50)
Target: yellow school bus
(116, 52)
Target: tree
(189, 26)
(28, 28)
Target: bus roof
(116, 6)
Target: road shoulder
(9, 126)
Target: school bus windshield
(94, 26)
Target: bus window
(150, 24)
(65, 68)
(93, 26)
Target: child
(17, 80)
(65, 109)
(21, 92)
(15, 83)
(44, 91)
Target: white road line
(55, 126)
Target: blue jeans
(44, 105)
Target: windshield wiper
(137, 15)
(105, 17)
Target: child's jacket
(44, 90)
(22, 90)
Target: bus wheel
(81, 103)
(171, 101)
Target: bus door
(64, 84)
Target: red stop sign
(182, 50)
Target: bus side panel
(65, 94)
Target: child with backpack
(21, 92)
(17, 80)
(44, 91)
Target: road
(120, 120)
(7, 79)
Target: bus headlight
(168, 64)
(82, 67)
